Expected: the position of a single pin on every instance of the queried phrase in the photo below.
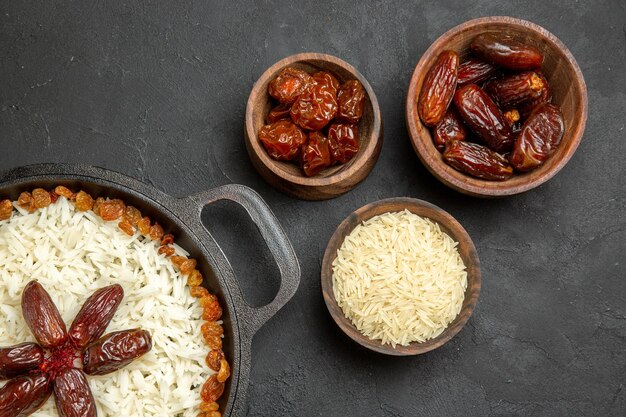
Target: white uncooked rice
(399, 278)
(72, 254)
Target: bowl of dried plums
(496, 106)
(313, 126)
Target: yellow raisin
(84, 201)
(96, 205)
(41, 198)
(211, 328)
(198, 292)
(144, 226)
(166, 250)
(214, 361)
(212, 389)
(168, 239)
(224, 372)
(213, 414)
(63, 192)
(178, 260)
(127, 227)
(213, 342)
(112, 209)
(6, 209)
(156, 232)
(195, 278)
(188, 266)
(204, 406)
(25, 199)
(133, 215)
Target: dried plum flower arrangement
(35, 375)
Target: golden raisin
(84, 201)
(211, 328)
(213, 342)
(96, 205)
(204, 406)
(144, 226)
(212, 389)
(188, 266)
(198, 292)
(112, 209)
(6, 209)
(207, 300)
(224, 371)
(166, 250)
(133, 215)
(156, 232)
(25, 199)
(63, 191)
(127, 227)
(41, 198)
(214, 360)
(168, 239)
(53, 197)
(212, 311)
(178, 260)
(195, 278)
(213, 414)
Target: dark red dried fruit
(315, 107)
(351, 100)
(327, 79)
(24, 395)
(541, 134)
(515, 89)
(316, 154)
(289, 84)
(6, 209)
(73, 395)
(438, 88)
(112, 209)
(280, 112)
(477, 160)
(474, 71)
(115, 350)
(95, 315)
(42, 316)
(212, 389)
(506, 51)
(544, 97)
(448, 129)
(282, 140)
(483, 117)
(19, 359)
(343, 140)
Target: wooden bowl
(449, 225)
(288, 177)
(568, 89)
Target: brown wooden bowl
(449, 225)
(288, 177)
(568, 89)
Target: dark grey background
(157, 90)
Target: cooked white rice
(399, 278)
(72, 254)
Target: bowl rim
(475, 186)
(449, 225)
(366, 153)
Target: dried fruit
(133, 215)
(64, 192)
(177, 261)
(214, 359)
(195, 278)
(167, 239)
(224, 371)
(6, 209)
(315, 107)
(506, 51)
(327, 79)
(73, 395)
(316, 154)
(42, 316)
(156, 232)
(53, 197)
(84, 201)
(438, 88)
(511, 116)
(477, 160)
(24, 395)
(289, 84)
(41, 198)
(280, 112)
(126, 227)
(474, 71)
(115, 350)
(198, 292)
(351, 100)
(212, 389)
(19, 359)
(213, 342)
(212, 328)
(282, 140)
(112, 209)
(97, 204)
(448, 129)
(515, 89)
(95, 315)
(166, 251)
(483, 117)
(544, 97)
(143, 226)
(25, 200)
(343, 140)
(204, 406)
(212, 310)
(541, 134)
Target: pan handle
(276, 240)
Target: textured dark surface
(157, 90)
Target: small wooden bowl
(287, 177)
(568, 89)
(449, 225)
